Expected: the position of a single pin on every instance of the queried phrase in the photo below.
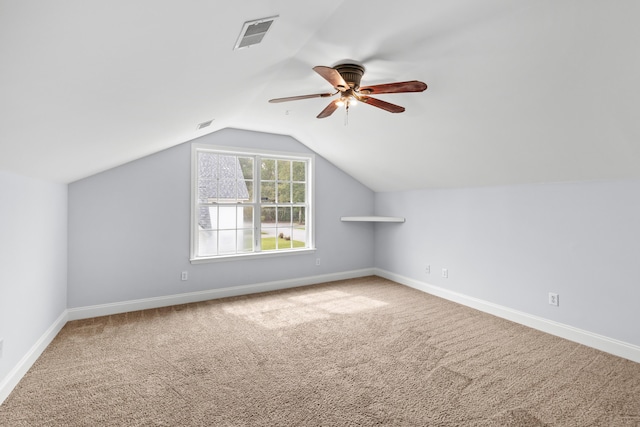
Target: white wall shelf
(371, 219)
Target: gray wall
(129, 228)
(513, 245)
(33, 262)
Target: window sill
(252, 255)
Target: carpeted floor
(359, 352)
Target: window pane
(228, 167)
(245, 240)
(284, 192)
(299, 192)
(207, 243)
(227, 217)
(207, 165)
(228, 191)
(298, 216)
(299, 227)
(227, 241)
(207, 217)
(284, 216)
(284, 170)
(299, 171)
(248, 185)
(284, 238)
(207, 190)
(246, 218)
(299, 236)
(268, 192)
(268, 216)
(246, 166)
(243, 191)
(268, 228)
(268, 169)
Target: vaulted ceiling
(519, 91)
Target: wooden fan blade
(400, 87)
(392, 108)
(332, 76)
(295, 98)
(333, 106)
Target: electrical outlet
(184, 276)
(317, 261)
(445, 273)
(554, 299)
(427, 269)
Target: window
(248, 203)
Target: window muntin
(249, 203)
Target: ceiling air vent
(253, 32)
(204, 124)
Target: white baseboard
(15, 375)
(600, 342)
(609, 345)
(164, 301)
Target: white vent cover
(253, 32)
(204, 124)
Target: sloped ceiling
(519, 91)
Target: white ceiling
(519, 91)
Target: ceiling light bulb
(339, 102)
(352, 102)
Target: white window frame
(257, 154)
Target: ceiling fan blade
(400, 87)
(392, 108)
(295, 98)
(332, 76)
(333, 106)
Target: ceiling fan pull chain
(346, 116)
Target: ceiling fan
(345, 78)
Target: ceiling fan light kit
(345, 79)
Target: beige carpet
(359, 352)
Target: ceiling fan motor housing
(351, 73)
